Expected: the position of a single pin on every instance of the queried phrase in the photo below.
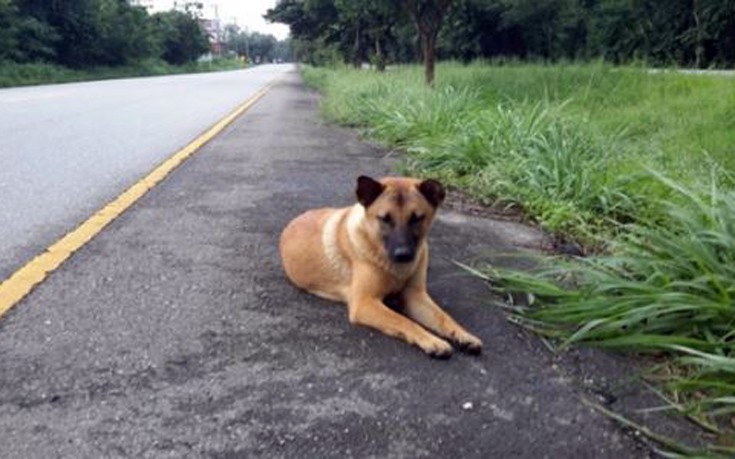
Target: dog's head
(399, 212)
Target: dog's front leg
(422, 308)
(372, 312)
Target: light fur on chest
(339, 264)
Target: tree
(82, 33)
(262, 47)
(313, 25)
(35, 41)
(256, 46)
(283, 51)
(683, 32)
(237, 41)
(373, 22)
(708, 30)
(127, 34)
(79, 26)
(8, 29)
(181, 37)
(427, 16)
(543, 25)
(358, 29)
(475, 29)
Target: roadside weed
(668, 288)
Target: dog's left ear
(433, 191)
(368, 190)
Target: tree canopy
(696, 33)
(90, 33)
(255, 46)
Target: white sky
(249, 14)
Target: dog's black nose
(403, 254)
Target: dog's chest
(338, 263)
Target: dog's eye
(415, 219)
(387, 219)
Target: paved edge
(22, 281)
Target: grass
(638, 164)
(667, 289)
(569, 143)
(13, 74)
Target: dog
(375, 250)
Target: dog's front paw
(468, 343)
(437, 348)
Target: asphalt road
(66, 150)
(174, 333)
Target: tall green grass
(642, 161)
(568, 143)
(663, 288)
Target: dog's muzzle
(401, 245)
(403, 254)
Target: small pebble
(467, 406)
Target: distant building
(216, 34)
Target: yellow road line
(19, 284)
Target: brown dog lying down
(377, 248)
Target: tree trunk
(428, 22)
(698, 46)
(429, 52)
(379, 57)
(357, 55)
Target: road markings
(19, 284)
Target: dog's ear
(433, 191)
(368, 190)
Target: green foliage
(85, 32)
(94, 34)
(664, 288)
(14, 74)
(697, 33)
(181, 37)
(24, 38)
(316, 53)
(573, 158)
(255, 46)
(8, 17)
(358, 30)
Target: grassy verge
(636, 163)
(12, 74)
(569, 143)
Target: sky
(249, 14)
